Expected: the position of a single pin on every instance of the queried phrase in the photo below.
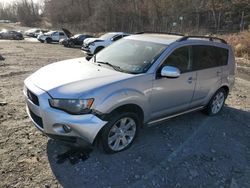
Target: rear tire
(120, 132)
(48, 40)
(216, 103)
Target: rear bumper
(52, 121)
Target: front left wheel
(120, 132)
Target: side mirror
(170, 72)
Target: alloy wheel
(218, 102)
(122, 133)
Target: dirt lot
(192, 150)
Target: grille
(36, 119)
(32, 97)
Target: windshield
(107, 36)
(50, 33)
(131, 56)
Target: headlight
(72, 106)
(92, 44)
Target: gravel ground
(192, 150)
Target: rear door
(55, 36)
(206, 61)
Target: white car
(54, 36)
(35, 32)
(92, 46)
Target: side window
(223, 56)
(180, 59)
(55, 34)
(61, 34)
(117, 37)
(209, 56)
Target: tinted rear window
(208, 57)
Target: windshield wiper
(115, 67)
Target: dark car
(76, 40)
(15, 35)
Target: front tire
(48, 40)
(216, 103)
(120, 132)
(71, 45)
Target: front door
(171, 95)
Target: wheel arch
(129, 108)
(226, 88)
(123, 108)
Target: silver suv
(140, 80)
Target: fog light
(66, 128)
(61, 128)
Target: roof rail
(154, 32)
(210, 38)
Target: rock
(233, 184)
(2, 58)
(193, 173)
(3, 103)
(30, 160)
(213, 151)
(212, 173)
(2, 151)
(138, 160)
(177, 185)
(137, 176)
(153, 182)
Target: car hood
(74, 78)
(90, 40)
(67, 32)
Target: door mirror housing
(170, 72)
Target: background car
(35, 32)
(76, 40)
(15, 35)
(92, 46)
(54, 36)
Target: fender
(123, 97)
